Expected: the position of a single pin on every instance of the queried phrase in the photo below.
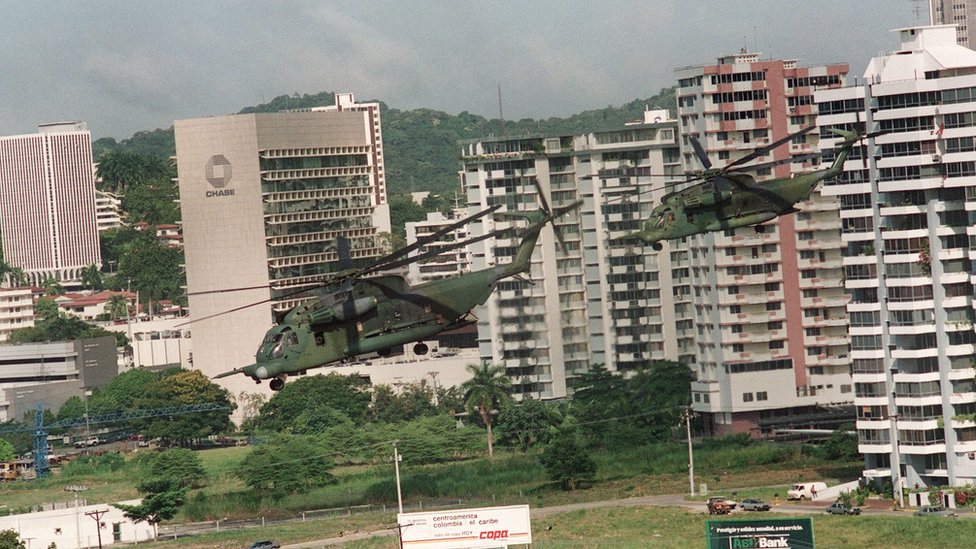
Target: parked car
(754, 505)
(935, 511)
(265, 544)
(805, 490)
(838, 508)
(718, 506)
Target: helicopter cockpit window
(281, 340)
(666, 215)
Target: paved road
(671, 500)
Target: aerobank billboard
(788, 533)
(464, 528)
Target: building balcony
(913, 329)
(967, 446)
(875, 473)
(878, 400)
(875, 448)
(880, 424)
(904, 377)
(878, 377)
(922, 449)
(962, 373)
(962, 398)
(963, 424)
(917, 424)
(918, 400)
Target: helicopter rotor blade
(700, 153)
(763, 151)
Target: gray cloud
(130, 66)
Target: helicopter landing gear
(420, 348)
(277, 384)
(657, 246)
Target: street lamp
(396, 465)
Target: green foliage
(152, 202)
(63, 328)
(121, 170)
(643, 408)
(91, 278)
(840, 446)
(346, 394)
(404, 210)
(86, 465)
(566, 460)
(6, 450)
(9, 539)
(185, 387)
(181, 465)
(287, 465)
(485, 392)
(523, 424)
(122, 392)
(152, 269)
(46, 308)
(413, 400)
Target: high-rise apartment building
(592, 298)
(47, 202)
(961, 13)
(769, 307)
(909, 220)
(16, 310)
(447, 264)
(264, 199)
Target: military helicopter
(727, 199)
(376, 314)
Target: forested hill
(421, 144)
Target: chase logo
(219, 173)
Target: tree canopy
(348, 395)
(485, 392)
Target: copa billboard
(463, 528)
(786, 533)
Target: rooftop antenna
(501, 116)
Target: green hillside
(421, 144)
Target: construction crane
(40, 430)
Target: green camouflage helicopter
(358, 315)
(727, 199)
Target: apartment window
(812, 332)
(738, 348)
(808, 273)
(772, 286)
(804, 235)
(723, 155)
(774, 325)
(735, 309)
(810, 293)
(733, 290)
(736, 328)
(746, 397)
(806, 254)
(777, 344)
(762, 396)
(729, 252)
(774, 306)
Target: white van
(806, 490)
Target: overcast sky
(138, 65)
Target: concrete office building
(47, 202)
(769, 307)
(592, 299)
(264, 198)
(961, 13)
(51, 373)
(909, 218)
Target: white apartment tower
(446, 264)
(771, 332)
(47, 202)
(264, 199)
(591, 299)
(909, 218)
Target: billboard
(787, 533)
(463, 528)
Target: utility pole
(896, 463)
(396, 465)
(691, 455)
(76, 488)
(97, 515)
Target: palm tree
(52, 286)
(5, 269)
(91, 277)
(484, 392)
(118, 307)
(18, 277)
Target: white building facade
(591, 298)
(47, 202)
(768, 307)
(16, 310)
(909, 211)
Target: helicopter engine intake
(342, 311)
(707, 199)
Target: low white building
(77, 527)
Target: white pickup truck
(90, 441)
